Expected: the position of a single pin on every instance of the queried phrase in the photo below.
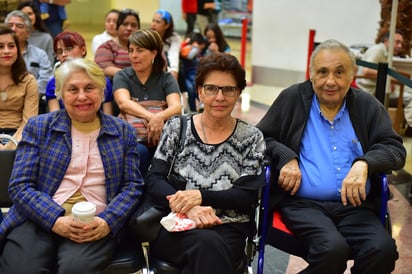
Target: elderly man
(327, 142)
(35, 58)
(378, 54)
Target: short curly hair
(221, 62)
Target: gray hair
(22, 15)
(66, 69)
(331, 44)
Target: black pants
(190, 21)
(31, 249)
(203, 251)
(333, 233)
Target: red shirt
(189, 6)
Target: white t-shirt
(100, 39)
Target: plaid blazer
(42, 158)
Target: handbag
(144, 224)
(140, 124)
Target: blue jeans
(146, 155)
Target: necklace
(203, 128)
(3, 91)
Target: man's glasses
(228, 91)
(64, 50)
(18, 25)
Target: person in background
(39, 36)
(113, 55)
(189, 11)
(69, 45)
(162, 22)
(217, 41)
(221, 163)
(35, 58)
(328, 143)
(146, 80)
(109, 30)
(378, 54)
(54, 15)
(19, 99)
(191, 51)
(68, 156)
(207, 12)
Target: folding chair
(272, 231)
(126, 258)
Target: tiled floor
(256, 100)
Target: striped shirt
(110, 54)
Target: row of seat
(130, 258)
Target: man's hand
(184, 200)
(354, 184)
(203, 216)
(67, 227)
(290, 177)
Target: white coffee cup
(83, 212)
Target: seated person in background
(39, 36)
(35, 58)
(327, 142)
(217, 41)
(63, 159)
(221, 163)
(69, 45)
(191, 51)
(19, 99)
(146, 80)
(162, 22)
(109, 30)
(378, 54)
(113, 55)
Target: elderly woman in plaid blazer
(67, 156)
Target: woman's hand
(203, 216)
(67, 227)
(154, 128)
(213, 47)
(183, 200)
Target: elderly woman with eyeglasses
(221, 165)
(113, 55)
(68, 156)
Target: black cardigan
(284, 123)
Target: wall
(146, 8)
(93, 11)
(88, 11)
(281, 29)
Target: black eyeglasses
(228, 91)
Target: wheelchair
(272, 231)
